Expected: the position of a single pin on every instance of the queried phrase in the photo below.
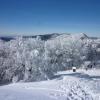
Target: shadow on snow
(78, 75)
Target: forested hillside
(36, 59)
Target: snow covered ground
(67, 85)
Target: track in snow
(71, 90)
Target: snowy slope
(82, 85)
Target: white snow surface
(67, 85)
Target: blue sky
(29, 17)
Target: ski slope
(81, 85)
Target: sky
(31, 17)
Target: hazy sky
(29, 17)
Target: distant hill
(43, 37)
(6, 38)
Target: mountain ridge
(48, 36)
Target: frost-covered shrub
(23, 59)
